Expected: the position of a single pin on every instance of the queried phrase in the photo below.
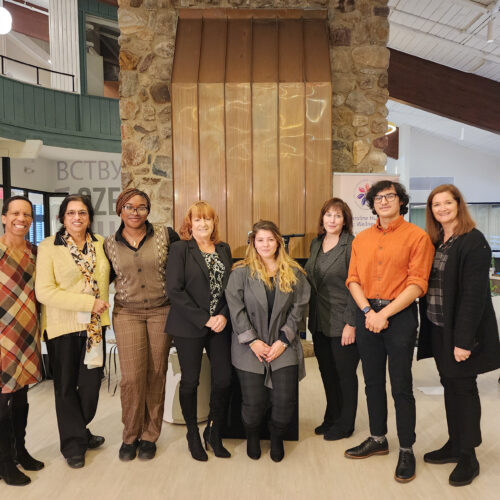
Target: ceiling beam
(445, 91)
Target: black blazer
(188, 289)
(469, 317)
(331, 303)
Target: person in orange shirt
(389, 269)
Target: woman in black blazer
(332, 318)
(198, 268)
(458, 326)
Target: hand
(461, 354)
(376, 321)
(218, 323)
(100, 306)
(260, 349)
(276, 350)
(348, 335)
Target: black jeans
(76, 391)
(337, 365)
(190, 352)
(461, 400)
(256, 397)
(395, 344)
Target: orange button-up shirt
(385, 261)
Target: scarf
(94, 354)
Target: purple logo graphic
(362, 190)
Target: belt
(379, 302)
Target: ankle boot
(194, 444)
(21, 456)
(8, 470)
(466, 470)
(253, 441)
(277, 450)
(211, 436)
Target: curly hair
(382, 186)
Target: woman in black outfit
(458, 326)
(198, 269)
(331, 319)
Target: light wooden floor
(312, 468)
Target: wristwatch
(366, 309)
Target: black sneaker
(405, 470)
(368, 448)
(128, 451)
(95, 441)
(147, 450)
(76, 462)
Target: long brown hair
(199, 209)
(286, 265)
(338, 204)
(465, 223)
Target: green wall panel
(58, 118)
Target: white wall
(36, 174)
(476, 174)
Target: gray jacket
(247, 301)
(331, 306)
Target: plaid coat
(20, 363)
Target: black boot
(8, 470)
(277, 450)
(466, 470)
(189, 406)
(21, 456)
(211, 436)
(253, 441)
(219, 399)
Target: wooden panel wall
(238, 97)
(251, 121)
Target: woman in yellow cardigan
(72, 281)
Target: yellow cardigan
(59, 284)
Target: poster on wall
(352, 188)
(98, 178)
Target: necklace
(131, 239)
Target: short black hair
(8, 201)
(85, 199)
(382, 186)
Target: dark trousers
(337, 365)
(394, 346)
(190, 351)
(76, 391)
(256, 397)
(13, 420)
(461, 401)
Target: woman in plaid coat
(19, 339)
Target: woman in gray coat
(331, 319)
(267, 294)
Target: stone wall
(359, 31)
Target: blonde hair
(286, 265)
(199, 209)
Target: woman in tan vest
(138, 253)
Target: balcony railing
(36, 68)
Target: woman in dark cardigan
(458, 326)
(331, 319)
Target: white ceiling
(448, 32)
(465, 135)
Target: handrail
(38, 68)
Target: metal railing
(38, 69)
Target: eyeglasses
(142, 210)
(19, 214)
(74, 213)
(388, 197)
